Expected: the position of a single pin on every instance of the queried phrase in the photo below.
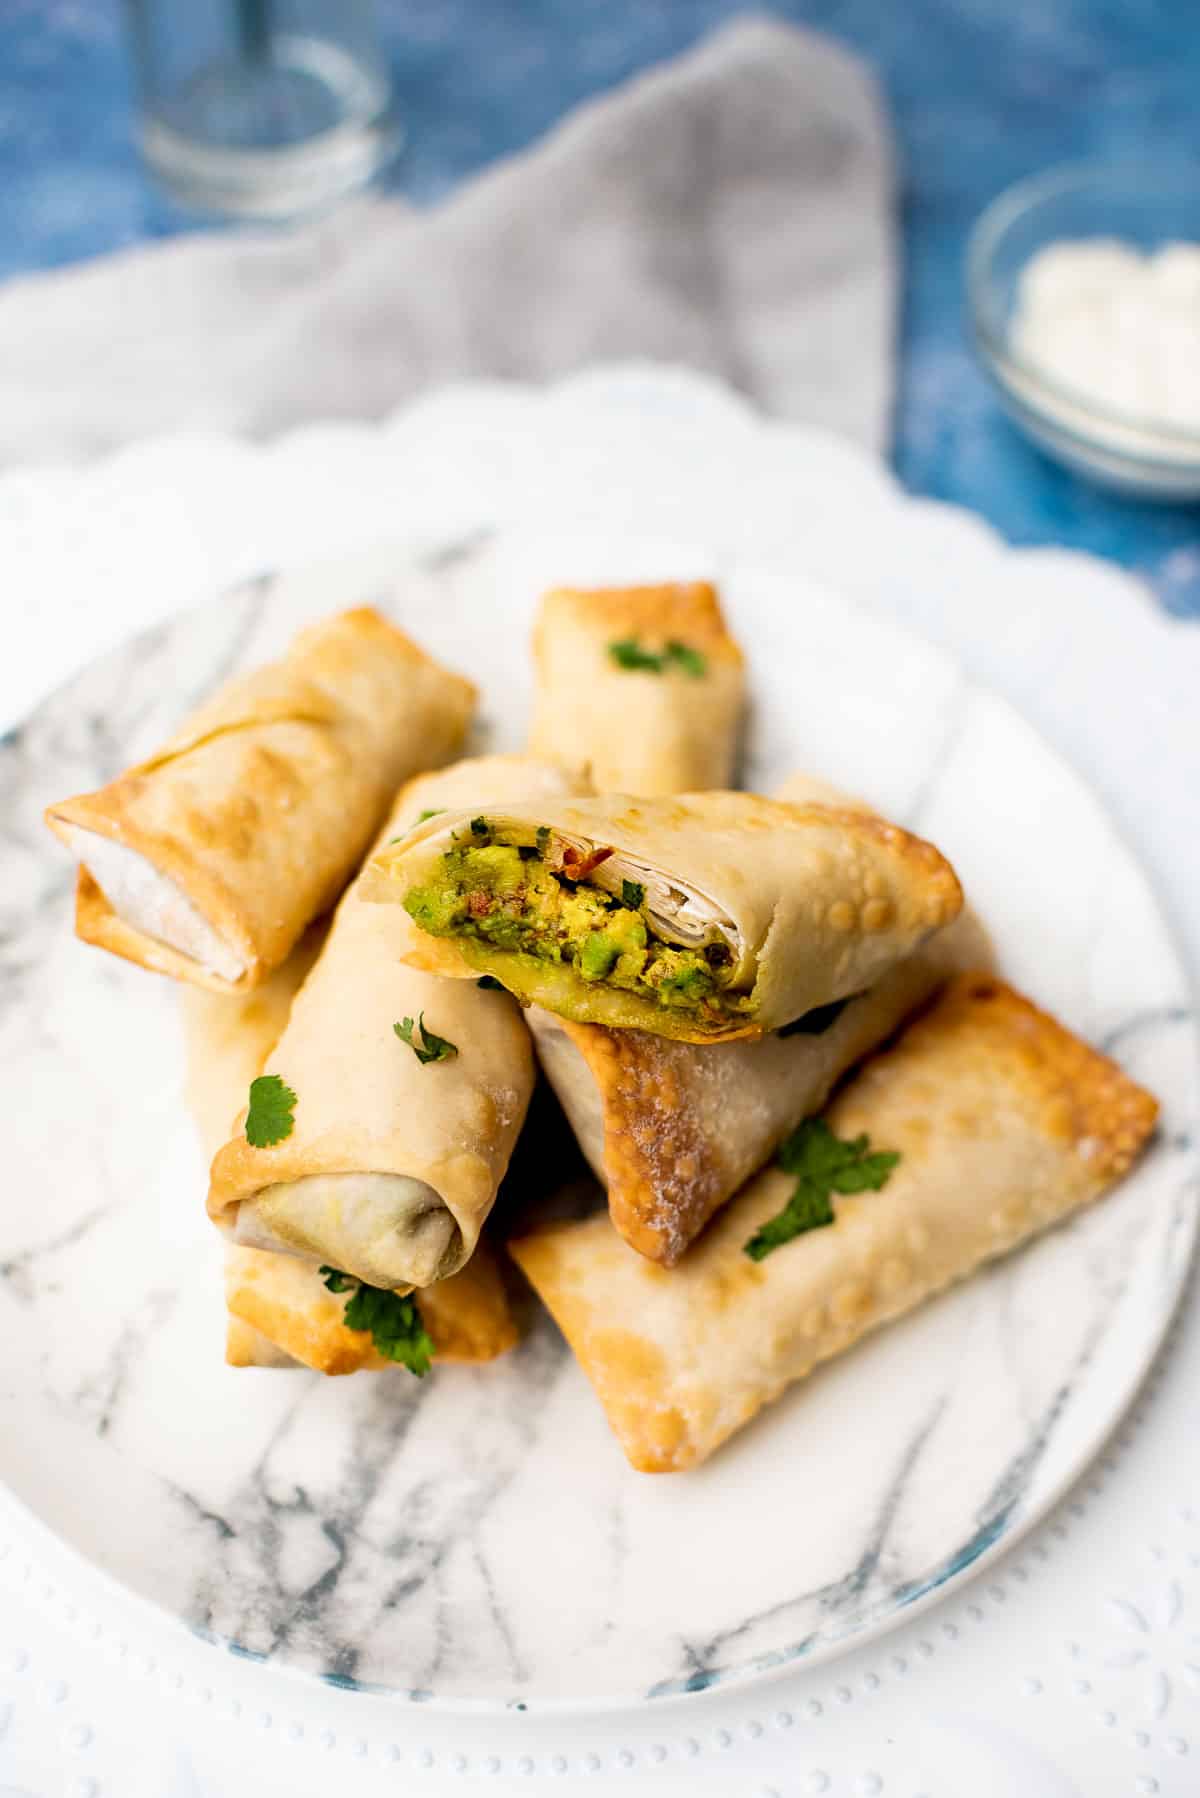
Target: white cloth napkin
(730, 210)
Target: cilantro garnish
(480, 827)
(425, 1045)
(269, 1118)
(632, 893)
(433, 811)
(628, 653)
(687, 659)
(394, 1323)
(823, 1164)
(817, 1021)
(337, 1282)
(490, 984)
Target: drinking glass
(262, 108)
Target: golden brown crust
(684, 1126)
(247, 1347)
(664, 1167)
(638, 731)
(319, 741)
(1005, 1124)
(1081, 1097)
(286, 1301)
(687, 611)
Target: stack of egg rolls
(698, 969)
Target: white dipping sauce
(1122, 329)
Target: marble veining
(477, 1539)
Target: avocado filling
(512, 899)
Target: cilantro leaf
(425, 1045)
(396, 1327)
(633, 893)
(490, 984)
(480, 827)
(269, 1118)
(336, 1281)
(815, 1153)
(395, 1323)
(628, 653)
(686, 659)
(807, 1209)
(817, 1021)
(823, 1164)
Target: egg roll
(707, 917)
(409, 1090)
(1004, 1124)
(645, 685)
(674, 1129)
(281, 1314)
(279, 1309)
(207, 861)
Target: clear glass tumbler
(262, 108)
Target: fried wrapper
(670, 729)
(1004, 1122)
(207, 861)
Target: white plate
(479, 1538)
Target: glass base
(275, 137)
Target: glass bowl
(1144, 205)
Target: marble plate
(478, 1539)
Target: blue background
(981, 91)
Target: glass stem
(254, 28)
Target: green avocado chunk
(508, 897)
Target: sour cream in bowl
(1085, 297)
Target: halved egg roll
(207, 861)
(645, 685)
(281, 1314)
(402, 1095)
(706, 917)
(674, 1129)
(1003, 1123)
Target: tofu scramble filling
(536, 901)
